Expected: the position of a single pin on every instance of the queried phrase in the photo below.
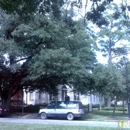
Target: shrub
(14, 109)
(97, 105)
(94, 106)
(117, 109)
(28, 109)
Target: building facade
(63, 90)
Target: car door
(61, 110)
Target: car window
(72, 105)
(61, 105)
(80, 105)
(51, 105)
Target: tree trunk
(109, 102)
(123, 106)
(100, 102)
(109, 63)
(5, 98)
(114, 108)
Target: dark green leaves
(22, 7)
(108, 80)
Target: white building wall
(37, 98)
(70, 93)
(90, 99)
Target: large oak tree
(41, 49)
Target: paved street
(60, 122)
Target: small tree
(108, 80)
(111, 35)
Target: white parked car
(70, 110)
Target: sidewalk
(31, 116)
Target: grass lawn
(95, 114)
(15, 126)
(106, 115)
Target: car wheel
(70, 116)
(43, 115)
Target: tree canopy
(43, 46)
(42, 51)
(109, 80)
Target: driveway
(25, 116)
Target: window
(91, 98)
(76, 95)
(61, 105)
(52, 105)
(72, 105)
(31, 97)
(64, 92)
(39, 95)
(51, 97)
(94, 98)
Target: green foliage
(25, 8)
(59, 67)
(32, 108)
(28, 109)
(22, 7)
(42, 50)
(111, 35)
(108, 80)
(54, 62)
(98, 9)
(59, 56)
(95, 15)
(54, 8)
(111, 109)
(97, 106)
